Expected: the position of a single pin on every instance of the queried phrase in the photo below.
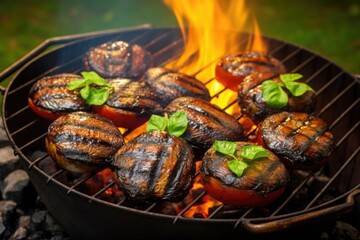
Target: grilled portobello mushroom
(130, 104)
(206, 122)
(50, 98)
(82, 142)
(263, 181)
(118, 59)
(169, 84)
(252, 103)
(232, 69)
(302, 141)
(155, 166)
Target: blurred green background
(327, 27)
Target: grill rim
(31, 165)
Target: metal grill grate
(338, 104)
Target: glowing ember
(203, 206)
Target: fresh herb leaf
(74, 84)
(298, 89)
(85, 92)
(176, 124)
(248, 152)
(253, 152)
(290, 77)
(93, 88)
(157, 122)
(225, 147)
(98, 96)
(237, 166)
(275, 96)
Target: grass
(327, 27)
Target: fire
(203, 206)
(210, 29)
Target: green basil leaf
(76, 83)
(98, 96)
(93, 88)
(85, 92)
(290, 77)
(253, 152)
(157, 122)
(225, 147)
(273, 94)
(94, 78)
(237, 167)
(297, 89)
(178, 123)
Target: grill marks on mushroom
(251, 102)
(302, 140)
(82, 142)
(118, 59)
(169, 84)
(243, 64)
(206, 122)
(133, 96)
(155, 166)
(232, 69)
(263, 175)
(51, 93)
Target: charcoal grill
(90, 214)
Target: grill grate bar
(346, 135)
(151, 207)
(341, 116)
(303, 63)
(331, 81)
(25, 127)
(203, 193)
(164, 51)
(33, 163)
(216, 211)
(332, 201)
(333, 178)
(8, 118)
(42, 136)
(278, 49)
(101, 191)
(291, 55)
(46, 73)
(335, 99)
(243, 217)
(79, 182)
(320, 70)
(293, 193)
(52, 176)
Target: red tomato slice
(239, 197)
(121, 118)
(227, 79)
(42, 112)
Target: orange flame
(210, 29)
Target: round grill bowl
(87, 215)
